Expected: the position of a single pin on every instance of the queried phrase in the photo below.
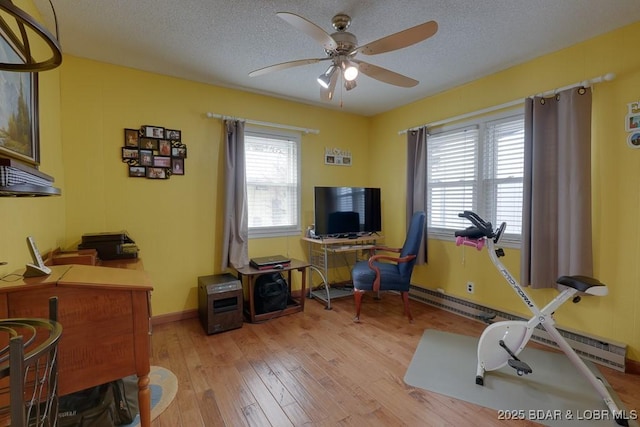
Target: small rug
(164, 386)
(555, 394)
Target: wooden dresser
(105, 314)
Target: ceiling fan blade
(285, 65)
(400, 40)
(384, 75)
(311, 29)
(327, 94)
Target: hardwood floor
(319, 368)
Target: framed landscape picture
(18, 112)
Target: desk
(321, 252)
(296, 304)
(105, 315)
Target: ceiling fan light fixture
(349, 70)
(350, 84)
(324, 79)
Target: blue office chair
(389, 273)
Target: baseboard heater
(596, 349)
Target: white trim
(279, 230)
(586, 83)
(267, 124)
(467, 115)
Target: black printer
(110, 245)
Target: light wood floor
(318, 368)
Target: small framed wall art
(336, 156)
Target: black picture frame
(131, 138)
(130, 153)
(149, 143)
(179, 151)
(173, 134)
(177, 166)
(164, 147)
(19, 121)
(146, 158)
(162, 162)
(157, 173)
(153, 131)
(137, 171)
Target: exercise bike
(502, 341)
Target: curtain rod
(585, 83)
(268, 124)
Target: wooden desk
(105, 315)
(296, 304)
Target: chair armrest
(385, 249)
(376, 281)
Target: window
(273, 182)
(476, 167)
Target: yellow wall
(177, 223)
(43, 217)
(616, 192)
(85, 105)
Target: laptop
(270, 262)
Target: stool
(29, 366)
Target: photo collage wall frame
(154, 152)
(632, 124)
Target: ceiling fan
(341, 48)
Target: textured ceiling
(220, 41)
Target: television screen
(347, 211)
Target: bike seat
(585, 284)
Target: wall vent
(595, 349)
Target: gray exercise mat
(555, 394)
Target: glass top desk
(324, 253)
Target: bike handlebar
(480, 229)
(484, 228)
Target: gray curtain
(556, 220)
(417, 181)
(235, 251)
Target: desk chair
(389, 273)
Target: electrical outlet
(470, 287)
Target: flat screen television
(347, 211)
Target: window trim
(437, 233)
(296, 137)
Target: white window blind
(273, 182)
(478, 167)
(503, 173)
(451, 180)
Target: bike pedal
(487, 317)
(521, 367)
